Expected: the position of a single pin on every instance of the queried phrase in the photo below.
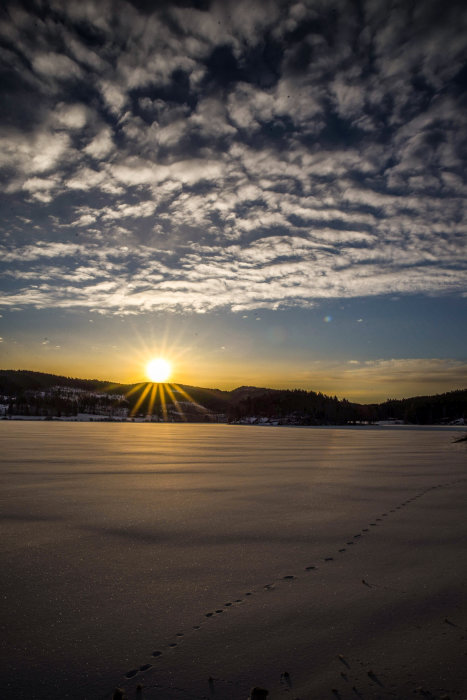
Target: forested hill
(23, 390)
(20, 382)
(439, 408)
(14, 381)
(313, 408)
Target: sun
(158, 370)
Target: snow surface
(119, 540)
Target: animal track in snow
(157, 654)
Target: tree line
(36, 393)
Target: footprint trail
(284, 579)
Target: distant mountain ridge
(27, 392)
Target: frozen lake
(121, 539)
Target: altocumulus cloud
(231, 154)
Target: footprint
(157, 653)
(239, 600)
(349, 542)
(208, 614)
(365, 529)
(285, 679)
(288, 577)
(310, 568)
(196, 627)
(132, 673)
(343, 660)
(268, 586)
(355, 536)
(248, 594)
(227, 605)
(145, 667)
(374, 678)
(328, 558)
(179, 634)
(343, 549)
(219, 611)
(173, 644)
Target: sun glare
(158, 370)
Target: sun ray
(152, 398)
(135, 388)
(190, 399)
(174, 400)
(144, 393)
(112, 386)
(163, 404)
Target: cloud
(37, 153)
(101, 145)
(385, 378)
(54, 65)
(113, 96)
(248, 155)
(273, 272)
(416, 369)
(39, 250)
(72, 116)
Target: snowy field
(197, 561)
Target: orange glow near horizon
(197, 360)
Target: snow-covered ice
(239, 553)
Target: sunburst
(158, 355)
(155, 396)
(158, 369)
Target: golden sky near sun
(361, 381)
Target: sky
(266, 193)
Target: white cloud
(114, 97)
(211, 119)
(140, 210)
(269, 273)
(35, 184)
(318, 173)
(54, 65)
(72, 116)
(101, 145)
(39, 250)
(32, 153)
(86, 179)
